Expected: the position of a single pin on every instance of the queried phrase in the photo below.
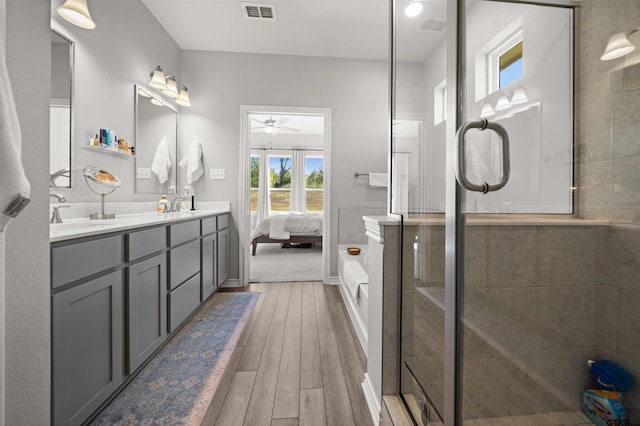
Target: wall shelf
(117, 152)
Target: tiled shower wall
(539, 302)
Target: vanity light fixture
(519, 97)
(168, 85)
(183, 97)
(77, 12)
(157, 79)
(487, 111)
(618, 46)
(413, 8)
(503, 103)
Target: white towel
(378, 179)
(277, 230)
(161, 164)
(192, 161)
(12, 175)
(354, 277)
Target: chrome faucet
(55, 175)
(55, 215)
(177, 204)
(58, 197)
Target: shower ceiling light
(413, 8)
(77, 12)
(618, 46)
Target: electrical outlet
(217, 174)
(143, 173)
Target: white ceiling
(329, 28)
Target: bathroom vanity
(120, 288)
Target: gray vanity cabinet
(87, 347)
(223, 248)
(209, 270)
(146, 309)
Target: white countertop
(75, 228)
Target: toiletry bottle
(163, 205)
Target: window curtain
(263, 193)
(298, 183)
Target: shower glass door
(508, 290)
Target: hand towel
(378, 179)
(192, 161)
(354, 277)
(161, 164)
(15, 186)
(277, 230)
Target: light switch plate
(143, 173)
(217, 174)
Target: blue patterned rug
(176, 387)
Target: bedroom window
(314, 182)
(255, 183)
(280, 183)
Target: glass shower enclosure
(514, 165)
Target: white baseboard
(231, 283)
(334, 281)
(372, 401)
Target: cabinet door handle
(461, 176)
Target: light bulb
(413, 8)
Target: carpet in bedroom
(275, 264)
(178, 384)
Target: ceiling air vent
(433, 25)
(259, 11)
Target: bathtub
(358, 307)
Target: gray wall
(355, 90)
(123, 49)
(26, 273)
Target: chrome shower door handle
(461, 166)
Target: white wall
(124, 48)
(27, 326)
(355, 90)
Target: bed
(294, 228)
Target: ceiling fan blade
(257, 121)
(283, 120)
(290, 129)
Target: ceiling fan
(272, 126)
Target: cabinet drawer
(223, 221)
(74, 261)
(184, 261)
(143, 243)
(183, 232)
(208, 225)
(183, 301)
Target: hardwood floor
(297, 363)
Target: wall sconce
(618, 46)
(503, 103)
(413, 8)
(77, 12)
(169, 86)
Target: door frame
(245, 182)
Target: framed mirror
(61, 117)
(156, 141)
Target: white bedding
(281, 227)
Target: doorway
(285, 172)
